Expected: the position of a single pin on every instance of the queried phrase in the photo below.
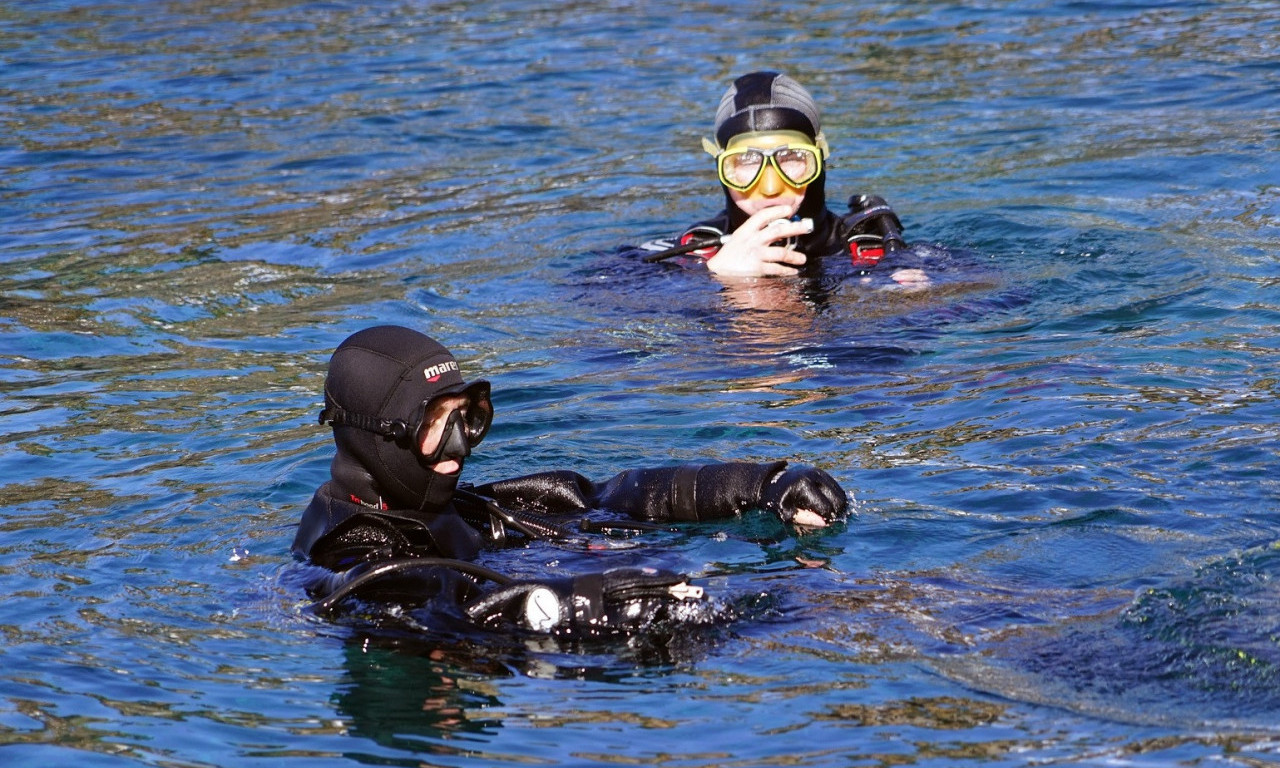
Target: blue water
(1066, 540)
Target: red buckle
(865, 256)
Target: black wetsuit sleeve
(360, 539)
(687, 493)
(549, 492)
(369, 537)
(871, 215)
(338, 535)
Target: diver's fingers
(774, 269)
(783, 229)
(807, 518)
(774, 215)
(910, 276)
(794, 258)
(777, 254)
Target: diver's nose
(771, 184)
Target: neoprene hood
(377, 382)
(771, 101)
(766, 101)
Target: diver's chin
(439, 488)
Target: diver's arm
(338, 534)
(374, 536)
(361, 538)
(803, 495)
(875, 231)
(872, 230)
(551, 492)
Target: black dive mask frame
(455, 441)
(461, 433)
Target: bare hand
(750, 251)
(911, 278)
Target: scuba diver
(393, 524)
(771, 160)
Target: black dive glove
(804, 496)
(620, 601)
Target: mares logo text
(436, 371)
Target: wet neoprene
(377, 378)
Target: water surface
(1064, 546)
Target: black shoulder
(322, 515)
(870, 216)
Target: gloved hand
(699, 492)
(804, 496)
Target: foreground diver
(770, 157)
(394, 525)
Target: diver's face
(451, 425)
(771, 189)
(432, 431)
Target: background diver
(771, 161)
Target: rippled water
(1065, 548)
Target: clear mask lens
(798, 165)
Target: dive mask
(797, 164)
(458, 427)
(462, 427)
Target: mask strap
(397, 429)
(819, 141)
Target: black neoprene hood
(387, 372)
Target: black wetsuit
(415, 557)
